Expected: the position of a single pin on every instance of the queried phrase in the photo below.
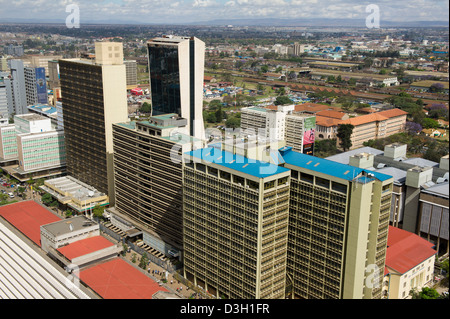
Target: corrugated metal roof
(325, 166)
(237, 162)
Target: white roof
(28, 274)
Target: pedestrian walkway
(158, 273)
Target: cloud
(179, 11)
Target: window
(307, 178)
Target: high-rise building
(148, 180)
(14, 50)
(93, 97)
(53, 74)
(8, 144)
(16, 91)
(4, 95)
(176, 67)
(42, 61)
(131, 67)
(3, 64)
(338, 227)
(35, 85)
(235, 223)
(40, 147)
(281, 123)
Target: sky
(184, 11)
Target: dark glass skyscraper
(176, 66)
(165, 80)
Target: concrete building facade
(332, 207)
(235, 224)
(94, 97)
(148, 178)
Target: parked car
(11, 195)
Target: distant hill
(319, 22)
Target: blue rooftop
(325, 166)
(237, 162)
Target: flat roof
(344, 158)
(28, 217)
(84, 246)
(116, 279)
(325, 166)
(31, 117)
(418, 161)
(35, 277)
(63, 226)
(237, 162)
(398, 174)
(75, 187)
(440, 189)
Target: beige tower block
(109, 53)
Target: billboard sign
(41, 86)
(309, 131)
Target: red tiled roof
(116, 279)
(393, 113)
(332, 114)
(311, 107)
(84, 246)
(28, 217)
(364, 119)
(327, 121)
(406, 250)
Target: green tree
(219, 114)
(429, 123)
(124, 249)
(98, 211)
(282, 100)
(344, 133)
(144, 261)
(210, 117)
(233, 122)
(146, 108)
(425, 293)
(47, 198)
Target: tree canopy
(344, 134)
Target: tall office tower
(338, 228)
(235, 223)
(35, 85)
(148, 183)
(3, 95)
(15, 50)
(281, 123)
(17, 97)
(8, 144)
(41, 148)
(93, 98)
(176, 66)
(131, 67)
(3, 64)
(53, 74)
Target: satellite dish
(91, 193)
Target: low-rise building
(75, 194)
(409, 264)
